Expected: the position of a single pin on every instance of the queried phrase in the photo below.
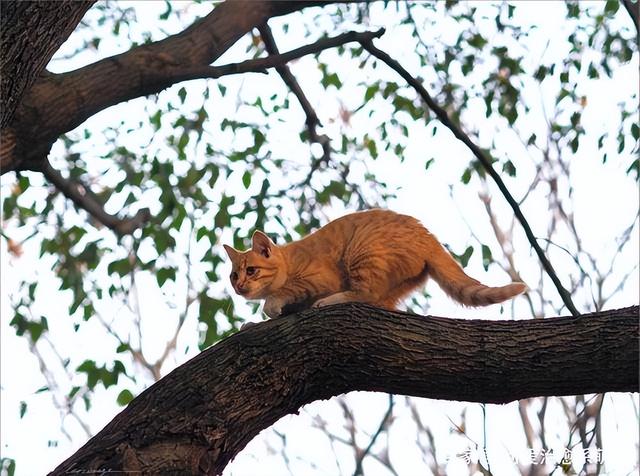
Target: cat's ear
(231, 252)
(262, 244)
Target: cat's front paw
(326, 301)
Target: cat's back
(371, 225)
(364, 229)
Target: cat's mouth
(248, 293)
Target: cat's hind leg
(345, 296)
(351, 296)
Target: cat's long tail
(446, 271)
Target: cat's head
(259, 271)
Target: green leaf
(371, 146)
(182, 94)
(634, 167)
(611, 7)
(123, 347)
(429, 163)
(8, 465)
(563, 94)
(509, 168)
(156, 120)
(87, 312)
(23, 408)
(541, 73)
(167, 12)
(202, 232)
(466, 176)
(331, 79)
(477, 41)
(246, 179)
(124, 397)
(371, 91)
(164, 274)
(463, 259)
(487, 257)
(89, 367)
(73, 392)
(33, 328)
(121, 267)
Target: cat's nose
(241, 289)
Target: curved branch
(57, 103)
(486, 163)
(197, 418)
(84, 198)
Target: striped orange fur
(376, 256)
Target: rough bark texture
(57, 103)
(30, 33)
(197, 418)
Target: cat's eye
(251, 270)
(234, 276)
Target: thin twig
(383, 424)
(483, 159)
(84, 198)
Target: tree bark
(30, 33)
(198, 417)
(57, 103)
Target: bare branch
(483, 159)
(383, 424)
(290, 80)
(83, 198)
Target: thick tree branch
(197, 418)
(58, 103)
(84, 198)
(289, 79)
(484, 160)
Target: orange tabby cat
(376, 256)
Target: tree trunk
(30, 33)
(197, 418)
